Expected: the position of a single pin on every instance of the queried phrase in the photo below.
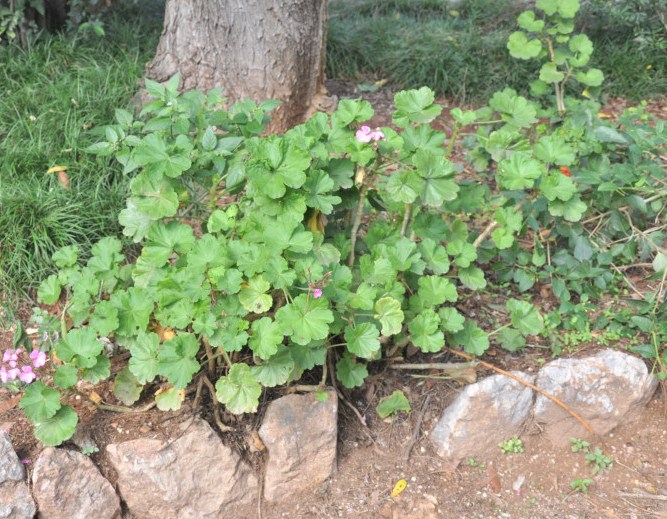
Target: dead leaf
(94, 397)
(9, 403)
(63, 180)
(494, 480)
(255, 443)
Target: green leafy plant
(512, 446)
(328, 247)
(393, 404)
(599, 460)
(581, 485)
(579, 445)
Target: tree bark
(257, 49)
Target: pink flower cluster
(10, 368)
(366, 135)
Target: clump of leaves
(393, 404)
(599, 460)
(512, 446)
(581, 485)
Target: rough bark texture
(259, 49)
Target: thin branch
(418, 426)
(357, 221)
(216, 408)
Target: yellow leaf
(56, 169)
(586, 93)
(399, 487)
(649, 66)
(314, 222)
(359, 177)
(602, 115)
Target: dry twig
(418, 426)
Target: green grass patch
(461, 52)
(53, 93)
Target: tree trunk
(257, 49)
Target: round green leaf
(362, 340)
(392, 404)
(266, 336)
(238, 391)
(388, 312)
(253, 295)
(40, 402)
(306, 319)
(126, 387)
(350, 373)
(58, 428)
(521, 47)
(169, 400)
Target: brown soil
(372, 457)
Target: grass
(461, 52)
(52, 93)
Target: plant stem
(558, 86)
(452, 140)
(357, 220)
(406, 219)
(499, 329)
(226, 357)
(210, 359)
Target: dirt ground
(374, 456)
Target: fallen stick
(418, 426)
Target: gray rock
(15, 499)
(68, 485)
(11, 468)
(192, 476)
(481, 416)
(605, 389)
(300, 434)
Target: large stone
(11, 468)
(15, 499)
(481, 416)
(605, 390)
(192, 476)
(300, 434)
(68, 485)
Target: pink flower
(27, 375)
(4, 376)
(317, 293)
(378, 135)
(25, 461)
(13, 373)
(38, 358)
(364, 134)
(7, 355)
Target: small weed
(579, 445)
(581, 485)
(600, 461)
(513, 445)
(87, 450)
